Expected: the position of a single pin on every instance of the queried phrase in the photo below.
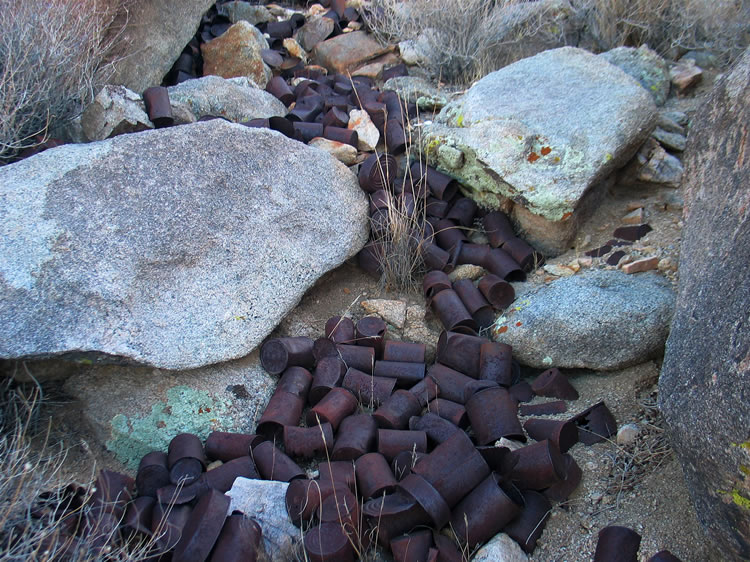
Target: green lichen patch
(740, 500)
(186, 410)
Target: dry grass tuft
(37, 506)
(52, 54)
(401, 240)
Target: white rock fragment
(367, 132)
(265, 501)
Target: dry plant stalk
(50, 54)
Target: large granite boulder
(541, 135)
(704, 390)
(132, 411)
(601, 320)
(153, 38)
(174, 248)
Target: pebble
(638, 266)
(634, 217)
(466, 271)
(627, 433)
(559, 270)
(667, 264)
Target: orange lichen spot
(502, 329)
(347, 290)
(546, 150)
(208, 410)
(533, 157)
(567, 215)
(519, 323)
(556, 158)
(161, 425)
(200, 410)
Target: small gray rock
(114, 111)
(601, 320)
(644, 65)
(237, 99)
(657, 166)
(411, 88)
(679, 117)
(666, 120)
(672, 141)
(315, 30)
(245, 11)
(265, 501)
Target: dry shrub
(50, 53)
(466, 40)
(670, 27)
(34, 495)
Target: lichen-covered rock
(543, 133)
(132, 411)
(704, 388)
(599, 319)
(237, 53)
(644, 65)
(175, 248)
(237, 99)
(114, 111)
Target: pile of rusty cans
(408, 457)
(407, 454)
